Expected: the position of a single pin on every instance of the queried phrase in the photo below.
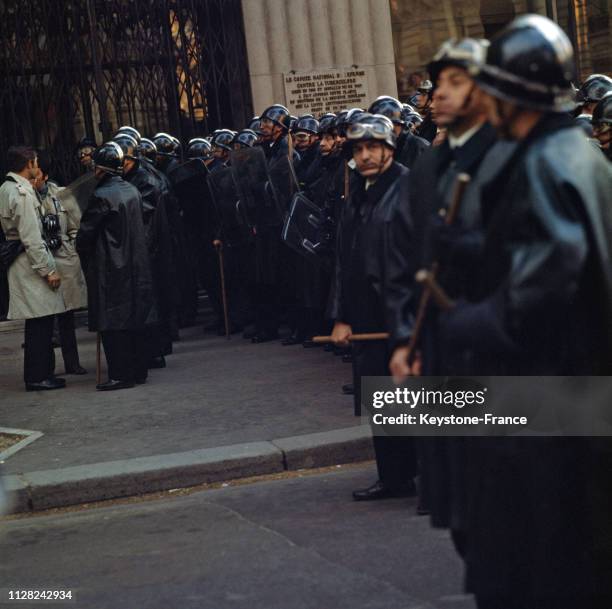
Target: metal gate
(70, 68)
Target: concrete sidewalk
(220, 410)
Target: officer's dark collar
(549, 123)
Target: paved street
(214, 392)
(298, 543)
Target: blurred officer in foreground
(112, 245)
(375, 219)
(537, 534)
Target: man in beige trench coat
(33, 278)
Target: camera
(52, 231)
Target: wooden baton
(354, 338)
(463, 179)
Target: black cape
(112, 246)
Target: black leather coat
(112, 246)
(373, 253)
(157, 233)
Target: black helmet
(353, 115)
(425, 87)
(109, 157)
(594, 88)
(327, 123)
(86, 142)
(307, 123)
(389, 107)
(130, 131)
(199, 148)
(147, 149)
(128, 144)
(278, 114)
(246, 138)
(371, 127)
(166, 145)
(292, 122)
(531, 63)
(410, 115)
(340, 123)
(585, 122)
(222, 138)
(467, 53)
(602, 115)
(255, 124)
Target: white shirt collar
(456, 141)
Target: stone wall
(304, 35)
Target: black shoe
(140, 381)
(347, 358)
(78, 370)
(46, 385)
(348, 389)
(157, 362)
(421, 510)
(111, 385)
(264, 337)
(381, 491)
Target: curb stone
(326, 448)
(41, 490)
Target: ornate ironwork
(70, 68)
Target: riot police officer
(221, 142)
(305, 134)
(422, 103)
(158, 335)
(536, 534)
(111, 243)
(374, 220)
(274, 272)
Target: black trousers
(126, 355)
(396, 456)
(157, 340)
(267, 309)
(68, 341)
(39, 362)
